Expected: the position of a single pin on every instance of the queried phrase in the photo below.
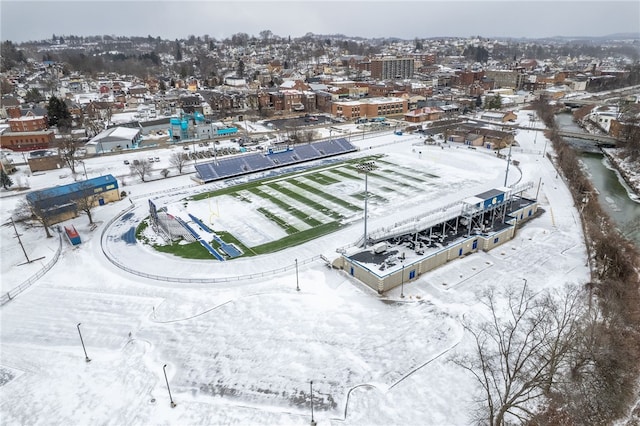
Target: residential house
(499, 116)
(423, 114)
(28, 123)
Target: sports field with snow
(240, 344)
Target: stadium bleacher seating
(229, 167)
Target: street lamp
(164, 368)
(297, 282)
(86, 357)
(366, 167)
(402, 282)
(506, 174)
(313, 422)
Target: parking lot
(304, 120)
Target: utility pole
(17, 235)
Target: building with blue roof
(60, 202)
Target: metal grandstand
(225, 168)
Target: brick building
(27, 141)
(373, 107)
(28, 123)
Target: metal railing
(126, 268)
(11, 294)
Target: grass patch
(307, 201)
(360, 196)
(321, 178)
(192, 250)
(278, 221)
(347, 175)
(325, 195)
(297, 238)
(140, 229)
(407, 176)
(286, 207)
(240, 197)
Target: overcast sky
(25, 20)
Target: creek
(613, 193)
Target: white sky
(34, 20)
(382, 363)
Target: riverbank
(627, 170)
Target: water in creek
(613, 195)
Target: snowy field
(243, 351)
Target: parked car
(157, 159)
(126, 162)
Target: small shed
(72, 235)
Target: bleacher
(229, 167)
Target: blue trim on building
(72, 188)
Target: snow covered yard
(244, 351)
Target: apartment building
(390, 68)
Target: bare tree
(67, 150)
(519, 350)
(629, 119)
(37, 209)
(93, 126)
(308, 135)
(178, 160)
(86, 199)
(165, 173)
(141, 168)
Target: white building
(114, 139)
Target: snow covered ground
(243, 350)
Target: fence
(11, 294)
(125, 268)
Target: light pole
(313, 422)
(85, 170)
(402, 282)
(366, 167)
(164, 368)
(506, 173)
(297, 282)
(86, 357)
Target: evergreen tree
(240, 68)
(33, 95)
(419, 45)
(478, 101)
(5, 179)
(178, 54)
(58, 114)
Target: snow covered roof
(115, 133)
